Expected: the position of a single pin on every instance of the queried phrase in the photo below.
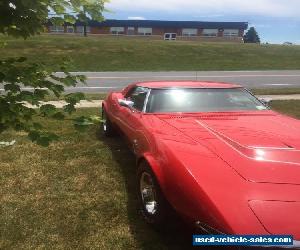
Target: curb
(82, 104)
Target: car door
(131, 118)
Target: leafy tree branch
(27, 84)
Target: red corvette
(213, 152)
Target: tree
(23, 19)
(251, 36)
(27, 18)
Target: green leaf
(46, 138)
(74, 98)
(82, 123)
(43, 141)
(81, 78)
(58, 116)
(26, 96)
(69, 108)
(57, 20)
(95, 119)
(12, 87)
(42, 138)
(69, 80)
(34, 135)
(69, 19)
(59, 9)
(57, 89)
(28, 18)
(40, 93)
(48, 110)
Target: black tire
(107, 126)
(155, 214)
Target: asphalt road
(108, 81)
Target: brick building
(154, 29)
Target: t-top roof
(187, 84)
(169, 24)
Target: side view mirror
(266, 101)
(126, 103)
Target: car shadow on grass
(176, 235)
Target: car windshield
(202, 100)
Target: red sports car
(213, 152)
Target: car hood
(261, 146)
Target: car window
(138, 96)
(202, 100)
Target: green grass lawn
(276, 91)
(131, 54)
(291, 107)
(79, 193)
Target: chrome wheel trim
(148, 193)
(104, 126)
(104, 121)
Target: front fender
(155, 167)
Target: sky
(276, 21)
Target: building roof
(169, 24)
(187, 84)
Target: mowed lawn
(79, 193)
(132, 54)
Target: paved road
(107, 81)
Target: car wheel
(154, 206)
(107, 126)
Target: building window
(189, 32)
(170, 36)
(80, 29)
(231, 33)
(117, 30)
(130, 31)
(57, 29)
(70, 29)
(145, 31)
(210, 32)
